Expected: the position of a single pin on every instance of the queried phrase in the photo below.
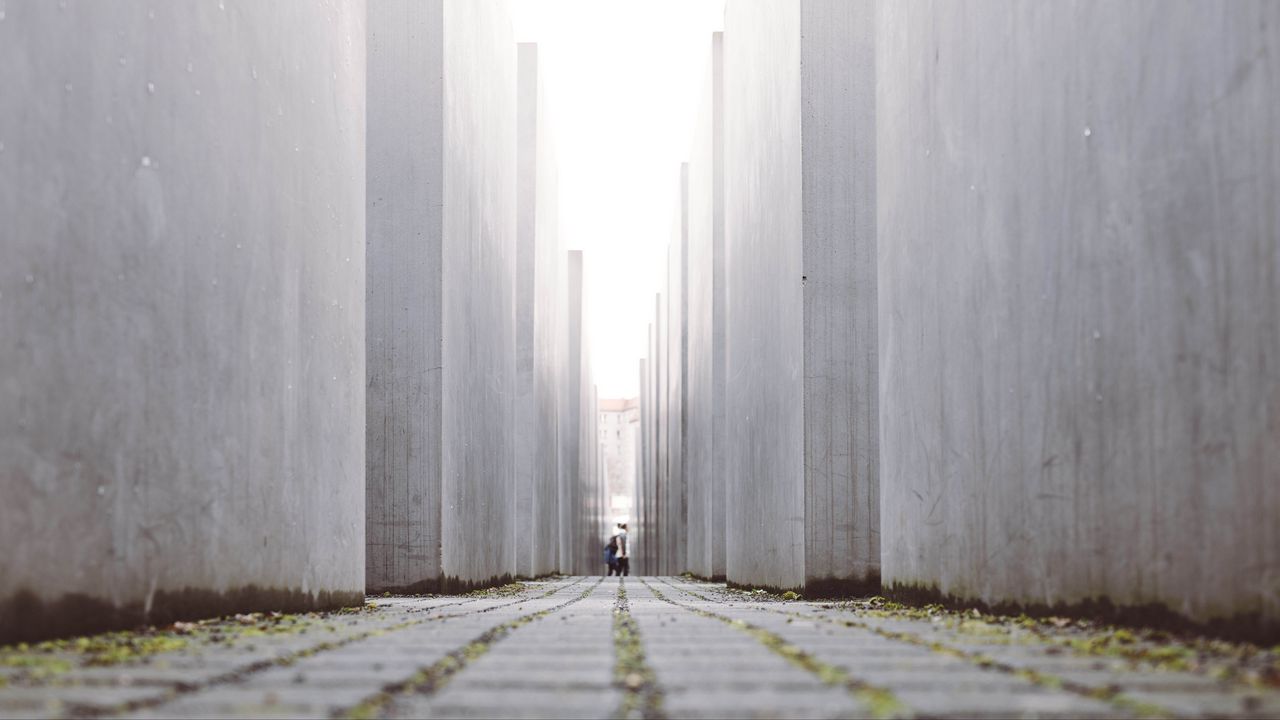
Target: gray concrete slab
(442, 251)
(704, 383)
(1078, 303)
(801, 358)
(540, 327)
(182, 287)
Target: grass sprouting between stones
(44, 661)
(641, 697)
(1109, 694)
(880, 703)
(1244, 664)
(41, 663)
(431, 679)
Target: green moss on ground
(631, 673)
(879, 702)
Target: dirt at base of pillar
(442, 586)
(1241, 627)
(25, 617)
(821, 588)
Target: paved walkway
(649, 648)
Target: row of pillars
(976, 303)
(286, 314)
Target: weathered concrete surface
(580, 496)
(479, 282)
(645, 561)
(841, 386)
(1079, 303)
(528, 432)
(662, 401)
(801, 343)
(181, 297)
(675, 506)
(405, 209)
(641, 501)
(539, 328)
(442, 261)
(704, 382)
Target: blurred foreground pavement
(652, 647)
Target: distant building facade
(619, 420)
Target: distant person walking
(622, 563)
(611, 555)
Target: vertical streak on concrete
(1082, 377)
(571, 427)
(405, 194)
(841, 428)
(704, 279)
(539, 325)
(527, 427)
(680, 324)
(182, 279)
(649, 541)
(550, 328)
(660, 431)
(642, 469)
(716, 500)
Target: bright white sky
(624, 80)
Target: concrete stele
(1082, 375)
(442, 256)
(801, 413)
(183, 307)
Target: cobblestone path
(646, 648)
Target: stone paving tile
(521, 675)
(688, 651)
(1136, 688)
(552, 650)
(919, 689)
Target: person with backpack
(611, 555)
(622, 560)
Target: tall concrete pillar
(441, 277)
(677, 513)
(539, 328)
(661, 489)
(704, 382)
(801, 394)
(1082, 375)
(648, 541)
(182, 302)
(639, 502)
(573, 480)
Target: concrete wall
(841, 386)
(182, 301)
(801, 347)
(582, 496)
(1078, 303)
(539, 327)
(676, 508)
(662, 403)
(526, 406)
(574, 426)
(405, 195)
(640, 512)
(479, 280)
(705, 370)
(646, 495)
(441, 304)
